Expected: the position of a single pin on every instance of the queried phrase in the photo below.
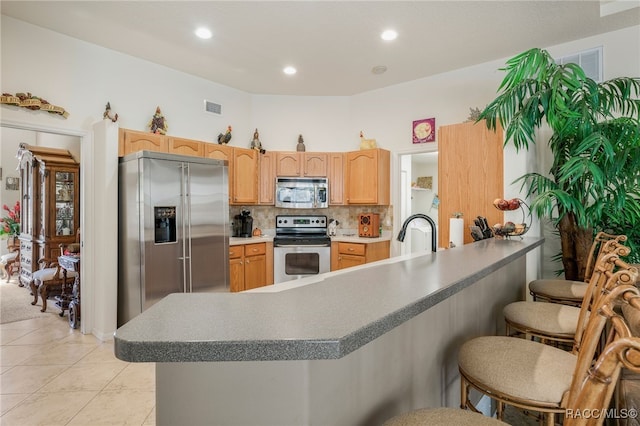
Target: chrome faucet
(403, 231)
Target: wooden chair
(10, 262)
(555, 322)
(536, 377)
(568, 292)
(50, 280)
(585, 407)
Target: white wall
(82, 77)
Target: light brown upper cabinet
(221, 152)
(470, 176)
(131, 141)
(302, 164)
(367, 177)
(336, 177)
(267, 178)
(244, 186)
(186, 147)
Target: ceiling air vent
(212, 107)
(590, 61)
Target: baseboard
(103, 336)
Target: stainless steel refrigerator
(173, 228)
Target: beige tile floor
(53, 375)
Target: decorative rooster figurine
(224, 139)
(367, 143)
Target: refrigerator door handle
(183, 259)
(188, 202)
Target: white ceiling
(333, 44)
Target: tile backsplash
(264, 217)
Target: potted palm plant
(594, 181)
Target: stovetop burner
(301, 230)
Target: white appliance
(301, 247)
(302, 193)
(420, 239)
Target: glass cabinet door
(65, 212)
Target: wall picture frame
(12, 183)
(424, 130)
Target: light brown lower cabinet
(346, 254)
(249, 266)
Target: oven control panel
(300, 221)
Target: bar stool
(555, 322)
(569, 292)
(592, 394)
(538, 377)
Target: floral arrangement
(10, 224)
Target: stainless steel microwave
(302, 193)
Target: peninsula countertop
(325, 318)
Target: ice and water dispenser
(165, 224)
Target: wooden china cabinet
(50, 213)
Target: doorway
(418, 194)
(13, 134)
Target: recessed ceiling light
(203, 33)
(289, 70)
(389, 35)
(379, 69)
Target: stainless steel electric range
(301, 247)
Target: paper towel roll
(456, 231)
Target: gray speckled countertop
(327, 319)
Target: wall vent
(212, 107)
(590, 61)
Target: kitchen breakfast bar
(351, 347)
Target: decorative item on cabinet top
(300, 146)
(158, 123)
(255, 142)
(108, 115)
(27, 100)
(367, 143)
(224, 138)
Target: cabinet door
(245, 176)
(348, 261)
(361, 182)
(367, 177)
(315, 164)
(222, 152)
(65, 190)
(336, 178)
(133, 141)
(267, 178)
(288, 163)
(255, 271)
(186, 147)
(470, 175)
(236, 274)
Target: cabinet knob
(247, 260)
(350, 248)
